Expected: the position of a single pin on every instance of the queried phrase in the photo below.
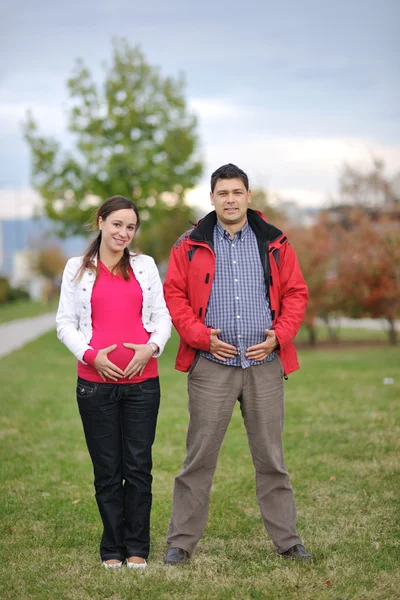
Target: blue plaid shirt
(238, 303)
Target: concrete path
(15, 334)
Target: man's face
(231, 200)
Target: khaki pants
(213, 391)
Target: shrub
(4, 289)
(15, 294)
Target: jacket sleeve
(187, 323)
(159, 312)
(67, 320)
(294, 296)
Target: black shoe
(298, 551)
(176, 556)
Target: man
(237, 298)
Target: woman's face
(118, 229)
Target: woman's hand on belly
(105, 367)
(143, 353)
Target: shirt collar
(225, 234)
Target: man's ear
(249, 197)
(212, 198)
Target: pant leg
(100, 413)
(213, 390)
(140, 404)
(262, 406)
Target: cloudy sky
(288, 90)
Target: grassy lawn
(24, 308)
(342, 449)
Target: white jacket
(74, 315)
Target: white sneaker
(107, 565)
(132, 565)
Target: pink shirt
(116, 318)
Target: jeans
(119, 421)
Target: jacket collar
(204, 229)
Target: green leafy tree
(133, 136)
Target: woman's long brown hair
(109, 206)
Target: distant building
(395, 187)
(296, 215)
(24, 229)
(19, 237)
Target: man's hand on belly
(219, 349)
(261, 351)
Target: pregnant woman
(112, 317)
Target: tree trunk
(392, 332)
(312, 339)
(332, 332)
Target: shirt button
(236, 280)
(237, 297)
(238, 317)
(233, 245)
(239, 335)
(234, 262)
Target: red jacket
(190, 276)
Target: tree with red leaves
(368, 269)
(315, 250)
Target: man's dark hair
(229, 171)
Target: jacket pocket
(278, 358)
(194, 364)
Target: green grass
(345, 334)
(20, 309)
(341, 441)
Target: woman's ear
(100, 223)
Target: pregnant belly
(121, 356)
